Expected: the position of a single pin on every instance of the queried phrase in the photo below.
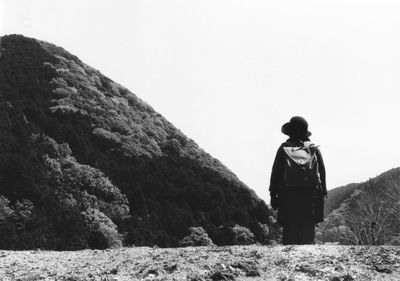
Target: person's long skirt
(296, 215)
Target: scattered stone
(334, 278)
(281, 262)
(253, 273)
(170, 268)
(196, 278)
(339, 268)
(348, 277)
(114, 270)
(29, 278)
(152, 273)
(256, 254)
(222, 275)
(307, 269)
(382, 269)
(287, 248)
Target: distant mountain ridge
(367, 213)
(337, 196)
(86, 163)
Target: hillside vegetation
(337, 196)
(86, 163)
(369, 216)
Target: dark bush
(197, 236)
(242, 235)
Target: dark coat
(297, 204)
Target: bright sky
(230, 73)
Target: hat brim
(286, 129)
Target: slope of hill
(342, 263)
(369, 216)
(337, 196)
(86, 163)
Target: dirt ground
(254, 262)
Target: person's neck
(298, 139)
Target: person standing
(298, 184)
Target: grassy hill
(86, 163)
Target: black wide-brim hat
(297, 126)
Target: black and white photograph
(199, 140)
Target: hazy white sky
(230, 73)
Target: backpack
(301, 165)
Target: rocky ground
(284, 263)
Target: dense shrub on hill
(369, 216)
(48, 199)
(197, 236)
(242, 235)
(86, 151)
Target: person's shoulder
(287, 143)
(280, 148)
